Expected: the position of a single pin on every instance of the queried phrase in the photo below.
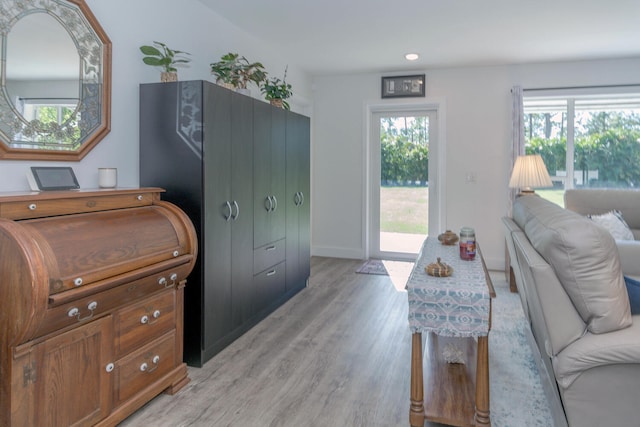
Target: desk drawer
(91, 306)
(143, 367)
(45, 208)
(144, 321)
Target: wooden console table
(454, 311)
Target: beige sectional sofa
(570, 278)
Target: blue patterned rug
(517, 396)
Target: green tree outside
(608, 142)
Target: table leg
(416, 411)
(482, 417)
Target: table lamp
(529, 172)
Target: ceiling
(355, 36)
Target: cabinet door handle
(235, 204)
(270, 206)
(271, 273)
(228, 217)
(302, 198)
(270, 248)
(275, 203)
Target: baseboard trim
(333, 252)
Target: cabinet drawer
(36, 208)
(268, 255)
(143, 367)
(269, 286)
(144, 321)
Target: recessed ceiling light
(411, 56)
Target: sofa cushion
(633, 290)
(587, 201)
(614, 224)
(585, 259)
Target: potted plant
(276, 91)
(236, 71)
(161, 55)
(224, 70)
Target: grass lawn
(555, 196)
(404, 209)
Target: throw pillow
(615, 224)
(633, 289)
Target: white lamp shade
(529, 172)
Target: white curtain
(517, 136)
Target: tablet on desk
(49, 178)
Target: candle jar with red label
(467, 243)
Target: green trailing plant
(161, 55)
(238, 71)
(274, 89)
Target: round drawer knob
(139, 198)
(156, 314)
(73, 312)
(110, 367)
(92, 305)
(32, 207)
(144, 319)
(78, 281)
(162, 281)
(156, 359)
(144, 367)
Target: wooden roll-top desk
(91, 304)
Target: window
(586, 138)
(52, 114)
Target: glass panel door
(400, 187)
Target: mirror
(55, 80)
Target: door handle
(270, 206)
(275, 203)
(228, 217)
(235, 204)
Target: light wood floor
(337, 354)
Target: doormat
(373, 266)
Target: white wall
(478, 131)
(477, 118)
(184, 25)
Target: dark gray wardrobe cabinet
(239, 168)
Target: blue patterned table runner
(454, 306)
